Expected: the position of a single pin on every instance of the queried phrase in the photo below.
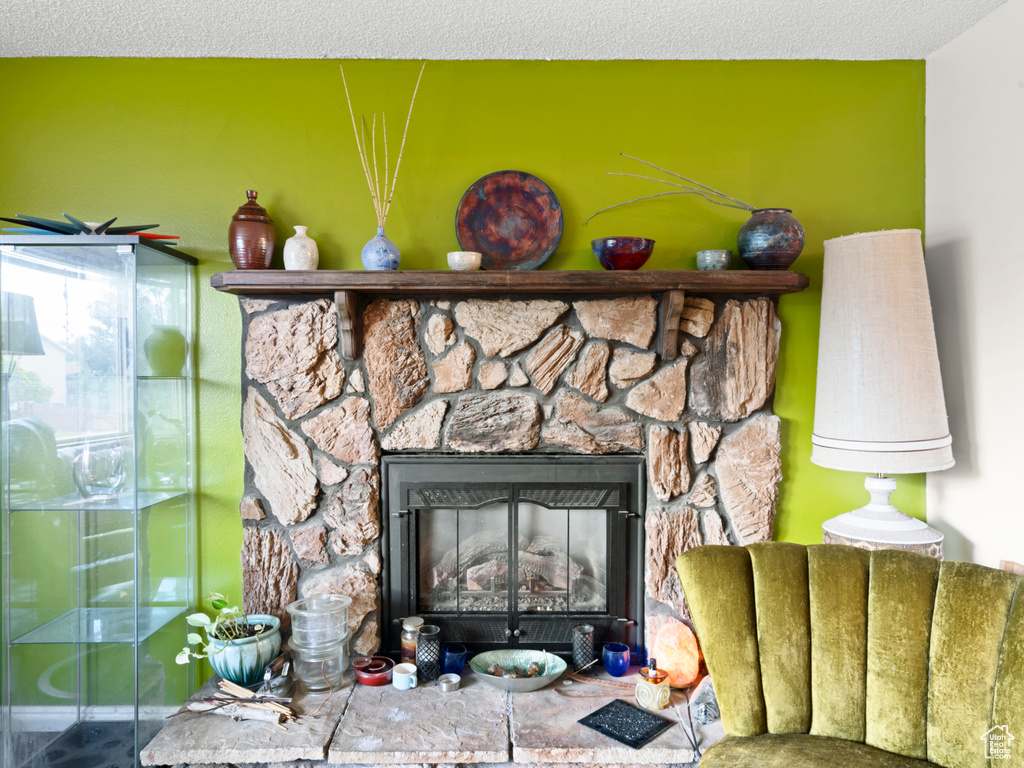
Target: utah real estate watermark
(997, 742)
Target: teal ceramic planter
(243, 661)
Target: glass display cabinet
(97, 494)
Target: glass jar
(320, 668)
(410, 636)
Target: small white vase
(300, 251)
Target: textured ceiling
(487, 29)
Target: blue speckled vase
(380, 253)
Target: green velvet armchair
(834, 656)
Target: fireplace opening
(514, 551)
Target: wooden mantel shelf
(346, 285)
(507, 282)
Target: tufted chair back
(888, 648)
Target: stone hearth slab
(545, 729)
(387, 726)
(195, 738)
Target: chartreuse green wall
(179, 141)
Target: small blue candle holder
(453, 659)
(615, 658)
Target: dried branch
(401, 149)
(663, 194)
(712, 190)
(710, 194)
(373, 146)
(359, 148)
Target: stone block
(281, 461)
(269, 573)
(589, 374)
(394, 361)
(454, 371)
(545, 730)
(584, 427)
(421, 429)
(629, 367)
(552, 356)
(493, 374)
(749, 471)
(505, 326)
(631, 319)
(697, 316)
(344, 431)
(440, 333)
(668, 466)
(353, 513)
(735, 375)
(670, 532)
(494, 422)
(703, 439)
(194, 739)
(425, 725)
(663, 396)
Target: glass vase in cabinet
(97, 494)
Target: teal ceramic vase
(380, 253)
(243, 661)
(166, 351)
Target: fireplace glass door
(516, 563)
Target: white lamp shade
(879, 406)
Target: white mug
(404, 676)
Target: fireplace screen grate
(447, 497)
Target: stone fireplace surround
(474, 375)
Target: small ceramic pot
(166, 351)
(714, 259)
(244, 661)
(300, 251)
(380, 254)
(771, 239)
(251, 235)
(464, 260)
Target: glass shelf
(122, 502)
(102, 625)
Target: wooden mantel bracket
(668, 324)
(348, 339)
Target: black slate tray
(626, 723)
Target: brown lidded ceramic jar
(251, 235)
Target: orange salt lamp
(677, 652)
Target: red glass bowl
(373, 670)
(622, 252)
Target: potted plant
(238, 645)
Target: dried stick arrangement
(690, 188)
(239, 702)
(380, 194)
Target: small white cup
(464, 260)
(403, 677)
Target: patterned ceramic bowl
(622, 252)
(551, 667)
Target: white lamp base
(879, 525)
